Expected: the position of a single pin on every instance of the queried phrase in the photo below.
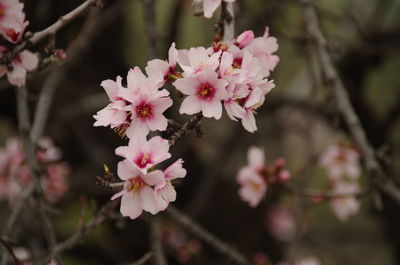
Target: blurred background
(297, 122)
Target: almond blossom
(12, 20)
(205, 92)
(344, 207)
(145, 154)
(340, 162)
(15, 175)
(137, 194)
(164, 68)
(256, 176)
(24, 62)
(281, 223)
(137, 109)
(165, 191)
(252, 185)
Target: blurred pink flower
(54, 181)
(21, 64)
(281, 223)
(340, 161)
(209, 6)
(344, 207)
(12, 20)
(252, 185)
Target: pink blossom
(147, 103)
(165, 191)
(137, 194)
(344, 207)
(263, 48)
(281, 223)
(195, 60)
(54, 181)
(47, 151)
(341, 161)
(205, 92)
(115, 113)
(21, 64)
(145, 154)
(12, 20)
(158, 67)
(252, 184)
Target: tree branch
(213, 241)
(374, 169)
(156, 241)
(51, 30)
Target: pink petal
(126, 170)
(210, 6)
(154, 177)
(190, 105)
(131, 205)
(17, 76)
(160, 148)
(256, 157)
(212, 109)
(175, 170)
(149, 200)
(249, 122)
(187, 85)
(29, 60)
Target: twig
(150, 24)
(97, 220)
(10, 251)
(374, 169)
(156, 241)
(189, 126)
(228, 20)
(146, 257)
(303, 192)
(51, 30)
(213, 241)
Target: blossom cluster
(15, 175)
(255, 177)
(232, 74)
(343, 168)
(209, 6)
(12, 27)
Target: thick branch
(374, 169)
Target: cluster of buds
(185, 248)
(15, 175)
(231, 74)
(342, 164)
(257, 176)
(12, 27)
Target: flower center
(143, 160)
(237, 63)
(136, 184)
(12, 34)
(144, 111)
(206, 91)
